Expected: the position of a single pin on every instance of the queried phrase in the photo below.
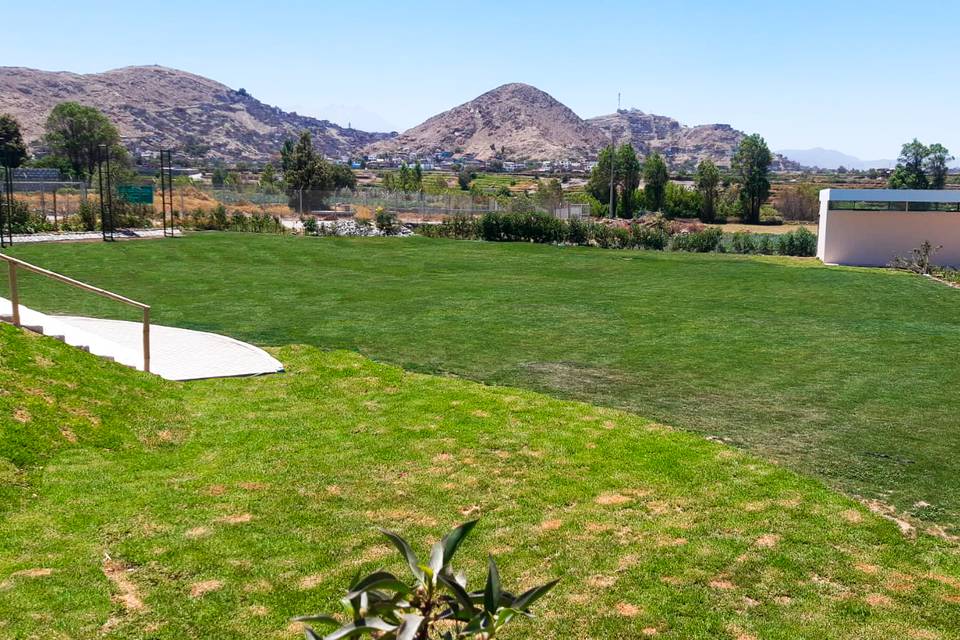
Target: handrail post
(146, 339)
(14, 293)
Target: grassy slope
(847, 374)
(234, 504)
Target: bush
(521, 227)
(743, 242)
(432, 600)
(698, 241)
(309, 226)
(386, 221)
(578, 232)
(88, 215)
(799, 242)
(458, 226)
(642, 237)
(680, 202)
(769, 215)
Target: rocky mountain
(522, 121)
(681, 146)
(156, 107)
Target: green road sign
(136, 194)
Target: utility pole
(613, 157)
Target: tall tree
(655, 177)
(909, 173)
(751, 169)
(310, 178)
(76, 132)
(628, 179)
(12, 147)
(599, 183)
(707, 180)
(936, 165)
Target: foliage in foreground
(384, 606)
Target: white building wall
(874, 238)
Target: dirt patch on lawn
(128, 595)
(575, 377)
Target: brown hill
(682, 146)
(526, 123)
(156, 107)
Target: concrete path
(175, 354)
(79, 236)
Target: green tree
(598, 185)
(310, 178)
(464, 178)
(219, 177)
(909, 173)
(12, 148)
(549, 194)
(286, 153)
(935, 164)
(655, 177)
(628, 179)
(707, 181)
(268, 178)
(76, 132)
(751, 169)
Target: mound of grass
(845, 374)
(261, 501)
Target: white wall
(873, 238)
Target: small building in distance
(870, 227)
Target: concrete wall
(873, 238)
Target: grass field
(138, 508)
(848, 375)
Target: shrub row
(543, 228)
(219, 220)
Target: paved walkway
(75, 236)
(175, 354)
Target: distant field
(846, 374)
(764, 228)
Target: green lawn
(137, 508)
(849, 375)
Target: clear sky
(860, 77)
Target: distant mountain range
(831, 159)
(520, 122)
(157, 107)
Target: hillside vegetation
(221, 508)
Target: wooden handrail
(15, 263)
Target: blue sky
(854, 76)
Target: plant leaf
(461, 595)
(409, 627)
(380, 580)
(318, 618)
(527, 598)
(451, 541)
(407, 553)
(492, 592)
(359, 627)
(436, 560)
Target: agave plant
(433, 603)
